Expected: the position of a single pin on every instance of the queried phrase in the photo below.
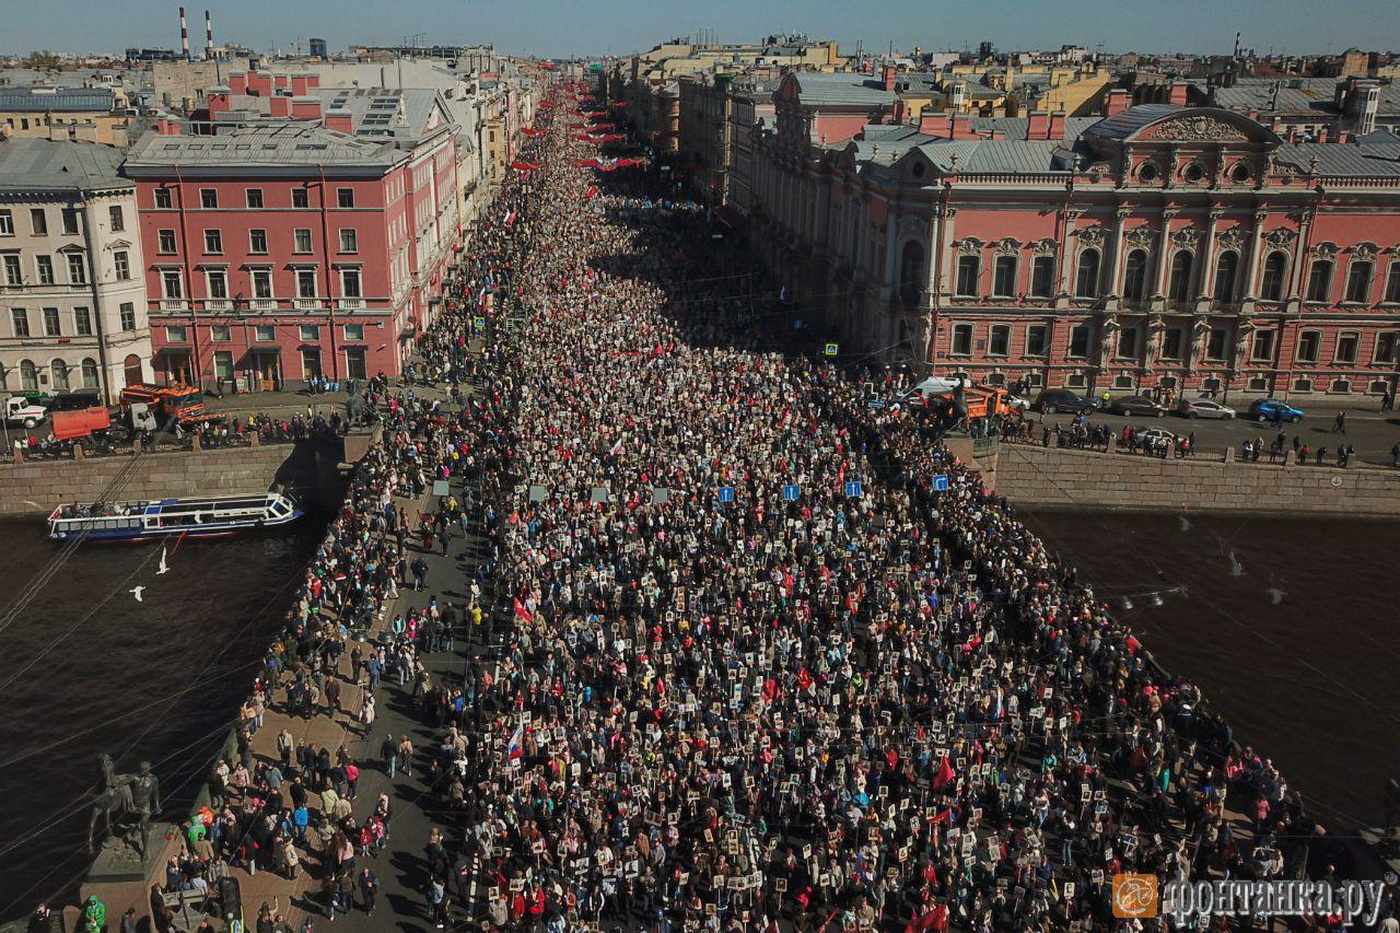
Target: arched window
(1179, 283)
(89, 373)
(28, 376)
(1135, 275)
(131, 370)
(1225, 269)
(4, 378)
(1271, 288)
(911, 273)
(59, 375)
(1320, 280)
(1086, 281)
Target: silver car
(1204, 408)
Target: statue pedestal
(119, 862)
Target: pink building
(1162, 247)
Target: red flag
(524, 613)
(944, 775)
(591, 193)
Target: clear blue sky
(561, 27)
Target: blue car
(1268, 409)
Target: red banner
(525, 166)
(531, 131)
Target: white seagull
(164, 567)
(137, 591)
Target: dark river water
(85, 668)
(1288, 625)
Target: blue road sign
(940, 482)
(832, 349)
(790, 493)
(726, 493)
(480, 323)
(853, 489)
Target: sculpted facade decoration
(1046, 246)
(1324, 250)
(1230, 239)
(1195, 129)
(1186, 238)
(1140, 237)
(1090, 236)
(970, 245)
(1364, 251)
(1007, 246)
(1281, 238)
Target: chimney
(962, 127)
(184, 35)
(932, 123)
(306, 108)
(218, 102)
(208, 38)
(1118, 100)
(168, 127)
(279, 106)
(299, 85)
(238, 82)
(887, 75)
(260, 84)
(1057, 125)
(282, 80)
(340, 121)
(901, 111)
(1177, 94)
(313, 80)
(1342, 136)
(1038, 125)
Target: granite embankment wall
(1048, 477)
(36, 487)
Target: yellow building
(97, 115)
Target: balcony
(263, 304)
(352, 304)
(218, 304)
(307, 304)
(173, 305)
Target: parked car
(1204, 408)
(1139, 405)
(1268, 409)
(1062, 400)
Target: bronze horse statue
(111, 801)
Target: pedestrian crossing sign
(832, 349)
(726, 493)
(853, 489)
(480, 323)
(791, 492)
(940, 482)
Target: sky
(557, 28)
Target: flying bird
(137, 591)
(1236, 568)
(164, 567)
(1185, 525)
(1276, 595)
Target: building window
(176, 334)
(255, 198)
(208, 198)
(38, 222)
(1037, 340)
(115, 219)
(1179, 280)
(163, 199)
(1263, 349)
(19, 320)
(1079, 341)
(28, 376)
(1271, 286)
(70, 221)
(128, 316)
(166, 246)
(170, 281)
(1385, 347)
(345, 197)
(355, 332)
(121, 261)
(1346, 347)
(14, 272)
(1309, 341)
(1359, 282)
(355, 366)
(968, 269)
(1216, 343)
(7, 223)
(223, 364)
(349, 240)
(310, 332)
(1000, 344)
(265, 333)
(1043, 276)
(218, 284)
(1135, 276)
(301, 240)
(1319, 280)
(350, 283)
(257, 242)
(299, 197)
(213, 242)
(1226, 268)
(220, 333)
(58, 375)
(1127, 342)
(82, 322)
(77, 268)
(89, 373)
(1172, 342)
(45, 267)
(1086, 282)
(262, 283)
(306, 283)
(1004, 276)
(911, 273)
(962, 340)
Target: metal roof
(1015, 127)
(993, 156)
(1346, 160)
(1122, 125)
(59, 100)
(841, 90)
(261, 146)
(58, 165)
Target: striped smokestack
(184, 35)
(208, 38)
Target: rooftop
(842, 89)
(42, 164)
(263, 146)
(58, 100)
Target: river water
(158, 680)
(1288, 625)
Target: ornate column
(1156, 327)
(1294, 296)
(1163, 264)
(1206, 262)
(950, 252)
(1065, 272)
(1254, 262)
(1113, 288)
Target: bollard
(78, 453)
(1229, 455)
(194, 443)
(1290, 457)
(254, 439)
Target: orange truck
(84, 422)
(182, 404)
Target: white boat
(202, 517)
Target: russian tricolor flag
(513, 750)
